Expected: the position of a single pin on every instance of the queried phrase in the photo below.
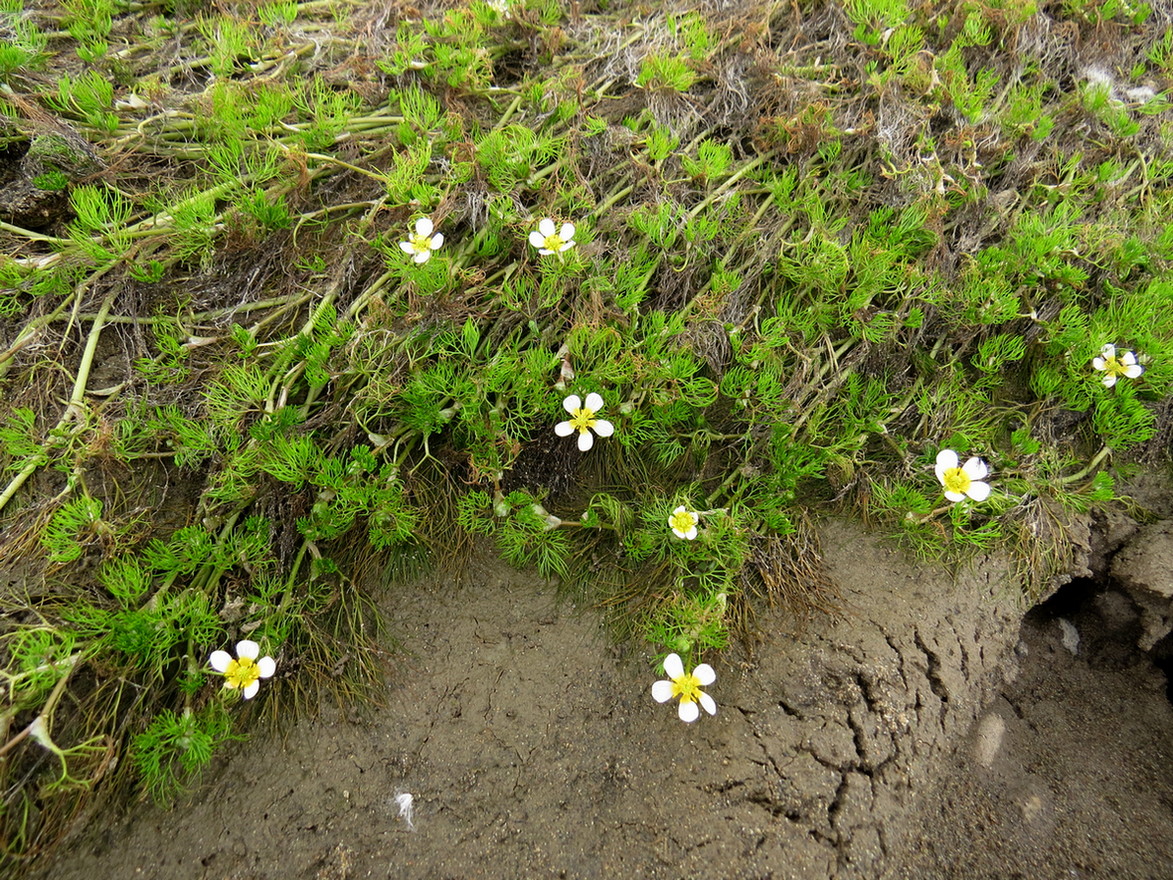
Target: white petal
(954, 496)
(437, 240)
(566, 232)
(566, 245)
(594, 402)
(662, 691)
(705, 674)
(1133, 371)
(585, 441)
(689, 711)
(975, 469)
(683, 536)
(266, 667)
(690, 535)
(406, 247)
(545, 252)
(564, 429)
(1108, 351)
(546, 227)
(680, 509)
(572, 404)
(978, 490)
(423, 226)
(537, 240)
(248, 648)
(421, 257)
(946, 460)
(1098, 363)
(673, 666)
(251, 690)
(603, 428)
(709, 703)
(1128, 358)
(1109, 380)
(220, 660)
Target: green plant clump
(630, 297)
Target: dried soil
(847, 750)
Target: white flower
(1114, 366)
(246, 671)
(687, 686)
(420, 246)
(549, 241)
(582, 419)
(683, 523)
(962, 481)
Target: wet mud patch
(532, 748)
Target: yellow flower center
(687, 687)
(553, 243)
(241, 673)
(682, 521)
(956, 480)
(582, 419)
(1113, 367)
(421, 243)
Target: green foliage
(693, 32)
(1024, 112)
(873, 17)
(970, 94)
(229, 43)
(126, 580)
(278, 12)
(1160, 54)
(19, 441)
(669, 73)
(89, 98)
(1100, 11)
(89, 22)
(39, 657)
(787, 303)
(24, 44)
(1112, 112)
(329, 110)
(175, 747)
(73, 526)
(509, 156)
(712, 161)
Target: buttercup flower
(420, 246)
(683, 523)
(549, 241)
(687, 686)
(246, 671)
(964, 480)
(583, 420)
(1114, 366)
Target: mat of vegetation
(296, 292)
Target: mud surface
(1067, 774)
(532, 748)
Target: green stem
(77, 399)
(73, 409)
(1091, 466)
